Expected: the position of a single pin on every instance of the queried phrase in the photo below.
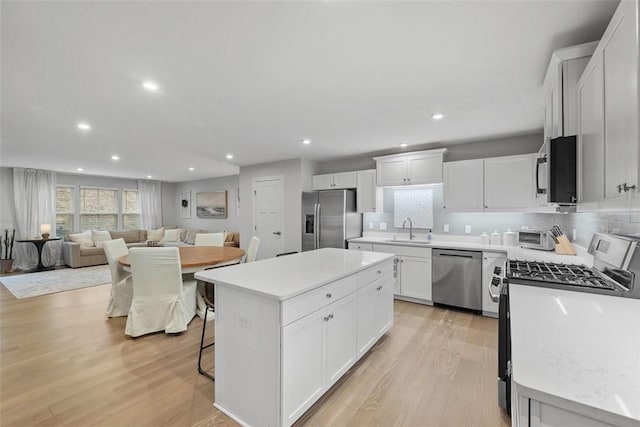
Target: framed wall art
(185, 204)
(212, 204)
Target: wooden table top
(198, 256)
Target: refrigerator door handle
(316, 229)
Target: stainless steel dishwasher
(457, 278)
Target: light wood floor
(63, 362)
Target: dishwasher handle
(457, 253)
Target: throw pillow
(85, 239)
(171, 235)
(155, 235)
(100, 236)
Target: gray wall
(6, 199)
(293, 185)
(171, 209)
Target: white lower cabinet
(375, 312)
(361, 246)
(412, 271)
(528, 412)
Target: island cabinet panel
(281, 346)
(375, 312)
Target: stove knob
(495, 281)
(497, 271)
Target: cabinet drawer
(403, 250)
(300, 306)
(374, 273)
(361, 246)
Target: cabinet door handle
(379, 288)
(379, 272)
(329, 295)
(619, 187)
(330, 316)
(326, 318)
(626, 187)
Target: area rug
(50, 282)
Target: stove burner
(573, 275)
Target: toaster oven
(534, 239)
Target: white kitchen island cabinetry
(288, 328)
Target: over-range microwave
(556, 172)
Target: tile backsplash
(585, 224)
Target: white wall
(293, 184)
(171, 211)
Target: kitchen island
(575, 358)
(288, 328)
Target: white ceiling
(254, 78)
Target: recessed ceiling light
(403, 144)
(192, 168)
(150, 86)
(229, 156)
(149, 176)
(306, 141)
(114, 157)
(437, 116)
(83, 126)
(79, 169)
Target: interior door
(268, 217)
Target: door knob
(277, 233)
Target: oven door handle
(495, 297)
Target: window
(64, 211)
(130, 210)
(98, 210)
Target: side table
(39, 245)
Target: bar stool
(210, 306)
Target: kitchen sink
(407, 241)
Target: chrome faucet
(411, 236)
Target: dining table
(198, 258)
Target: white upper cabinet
(509, 183)
(563, 72)
(498, 184)
(334, 181)
(608, 117)
(422, 167)
(366, 191)
(464, 186)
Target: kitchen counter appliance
(615, 272)
(329, 218)
(457, 278)
(534, 239)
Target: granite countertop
(577, 348)
(284, 277)
(471, 243)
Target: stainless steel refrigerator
(329, 218)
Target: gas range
(560, 274)
(615, 271)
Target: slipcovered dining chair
(209, 239)
(162, 301)
(121, 282)
(252, 249)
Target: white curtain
(34, 194)
(150, 197)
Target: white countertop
(580, 347)
(470, 243)
(284, 277)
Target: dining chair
(252, 249)
(209, 239)
(162, 300)
(121, 282)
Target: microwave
(556, 172)
(533, 239)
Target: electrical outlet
(370, 226)
(467, 229)
(446, 228)
(383, 226)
